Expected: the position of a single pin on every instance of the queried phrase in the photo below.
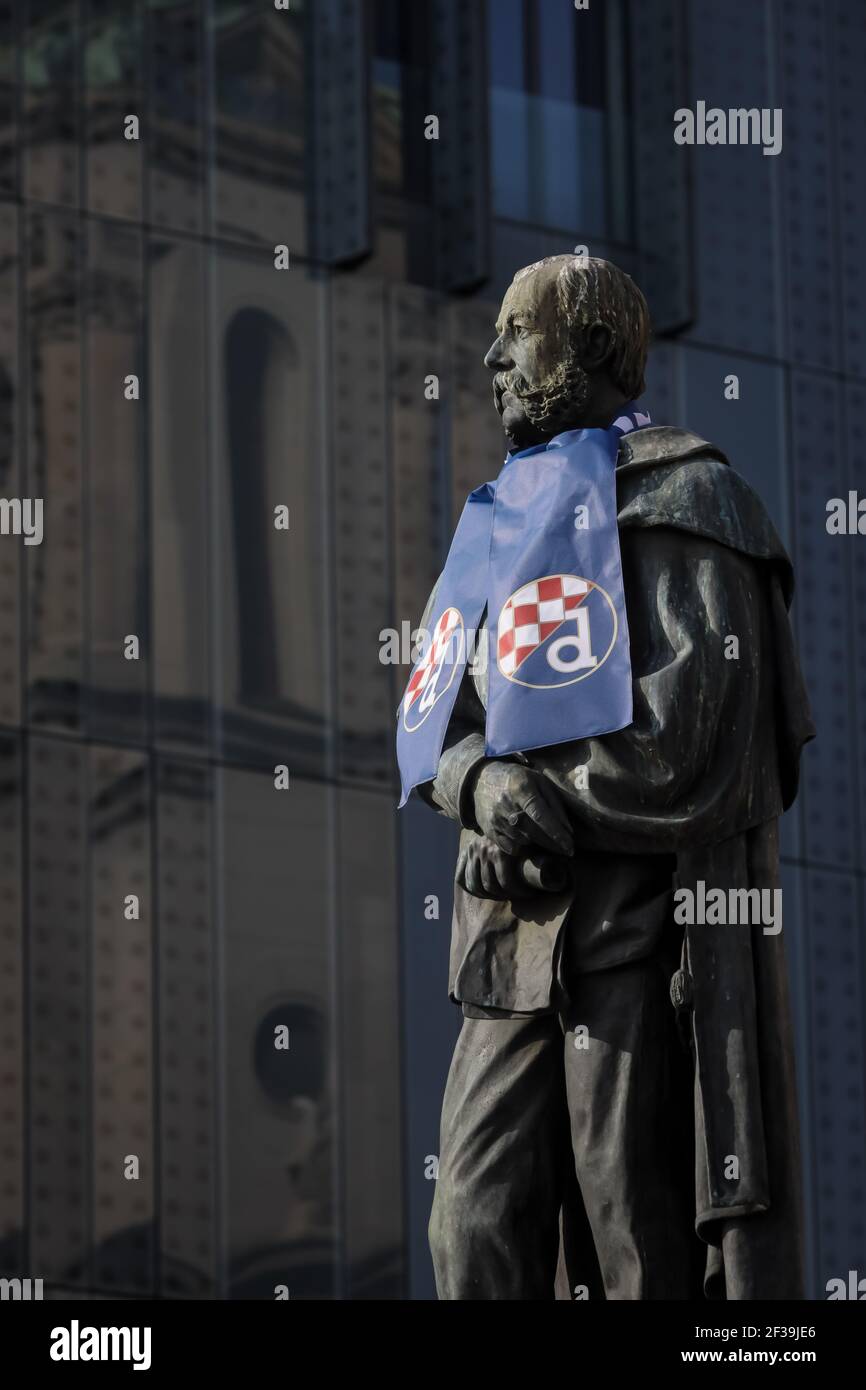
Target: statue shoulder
(681, 481)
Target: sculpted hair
(595, 291)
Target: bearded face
(539, 413)
(540, 388)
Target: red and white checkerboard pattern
(532, 614)
(444, 630)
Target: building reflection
(149, 1035)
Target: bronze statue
(620, 1117)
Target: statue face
(539, 388)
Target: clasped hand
(522, 825)
(486, 871)
(518, 809)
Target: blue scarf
(539, 550)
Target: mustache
(548, 404)
(516, 385)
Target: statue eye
(521, 330)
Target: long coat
(701, 775)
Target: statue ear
(597, 346)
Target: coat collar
(655, 444)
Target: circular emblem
(555, 631)
(435, 671)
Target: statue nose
(497, 359)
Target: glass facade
(168, 905)
(555, 110)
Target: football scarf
(539, 550)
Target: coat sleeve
(462, 752)
(699, 761)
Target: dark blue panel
(855, 417)
(838, 968)
(429, 852)
(661, 169)
(663, 375)
(339, 158)
(750, 430)
(808, 241)
(735, 236)
(848, 21)
(458, 96)
(795, 917)
(823, 620)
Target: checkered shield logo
(555, 631)
(435, 671)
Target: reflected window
(304, 1080)
(388, 59)
(260, 358)
(558, 94)
(259, 67)
(398, 98)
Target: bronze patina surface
(620, 1116)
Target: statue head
(571, 346)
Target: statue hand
(486, 871)
(518, 809)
